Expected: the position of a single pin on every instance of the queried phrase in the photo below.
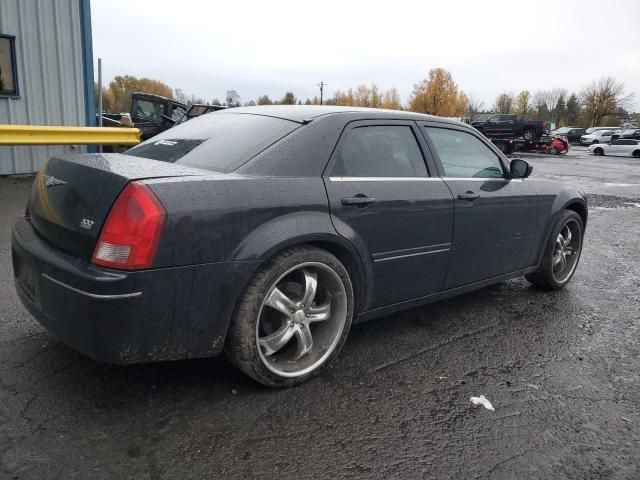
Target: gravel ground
(561, 369)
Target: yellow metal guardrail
(41, 135)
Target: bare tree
(475, 105)
(233, 99)
(602, 98)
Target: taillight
(130, 236)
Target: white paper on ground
(481, 400)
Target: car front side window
(379, 151)
(463, 155)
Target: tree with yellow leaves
(438, 95)
(122, 87)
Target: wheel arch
(566, 200)
(305, 228)
(580, 208)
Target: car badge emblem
(50, 182)
(86, 223)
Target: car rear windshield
(216, 141)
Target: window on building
(8, 74)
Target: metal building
(46, 73)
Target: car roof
(305, 113)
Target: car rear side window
(379, 151)
(463, 155)
(216, 141)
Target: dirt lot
(561, 369)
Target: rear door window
(379, 151)
(462, 155)
(221, 142)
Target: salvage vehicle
(152, 114)
(265, 232)
(197, 109)
(624, 147)
(512, 126)
(548, 144)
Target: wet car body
(419, 239)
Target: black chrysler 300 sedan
(265, 231)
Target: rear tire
(293, 318)
(561, 254)
(554, 151)
(598, 151)
(636, 154)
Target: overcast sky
(270, 47)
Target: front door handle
(468, 196)
(358, 201)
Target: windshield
(220, 142)
(563, 130)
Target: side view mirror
(520, 168)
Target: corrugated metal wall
(50, 74)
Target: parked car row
(595, 135)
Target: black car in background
(511, 126)
(265, 232)
(572, 134)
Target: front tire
(636, 154)
(598, 151)
(293, 318)
(529, 135)
(561, 254)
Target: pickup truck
(502, 125)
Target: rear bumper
(126, 317)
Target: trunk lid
(72, 195)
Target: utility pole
(321, 85)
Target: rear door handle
(358, 201)
(468, 196)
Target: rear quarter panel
(237, 218)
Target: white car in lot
(599, 136)
(625, 147)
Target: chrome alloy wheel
(301, 319)
(567, 251)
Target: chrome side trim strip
(384, 259)
(92, 295)
(421, 179)
(385, 179)
(480, 179)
